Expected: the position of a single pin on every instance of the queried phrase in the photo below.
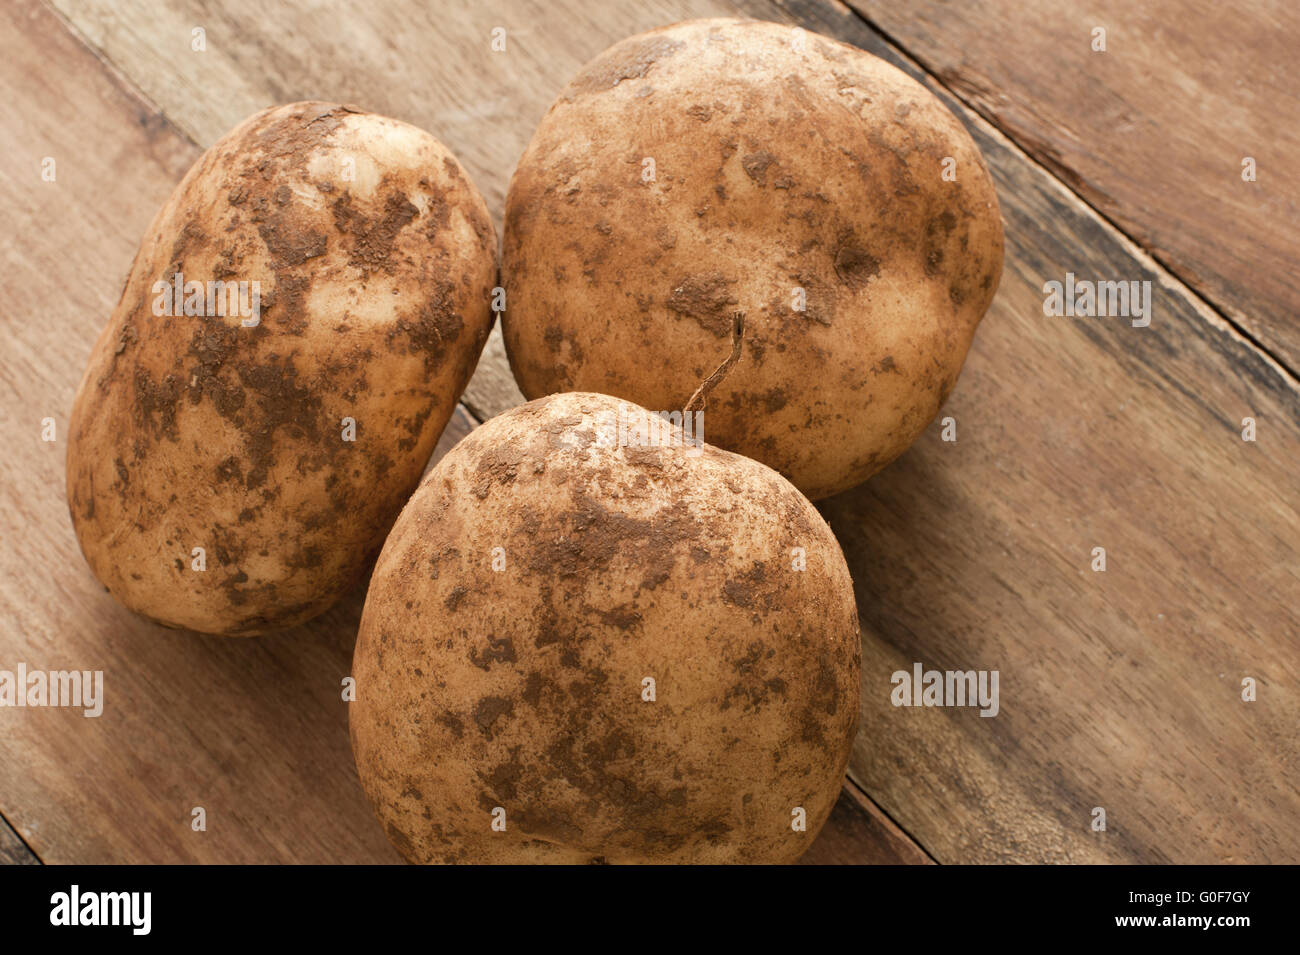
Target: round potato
(293, 336)
(718, 166)
(581, 646)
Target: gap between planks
(120, 77)
(14, 849)
(870, 806)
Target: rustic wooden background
(1119, 689)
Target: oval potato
(726, 165)
(212, 476)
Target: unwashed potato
(536, 582)
(210, 476)
(726, 165)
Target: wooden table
(1120, 690)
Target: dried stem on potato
(702, 393)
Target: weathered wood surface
(1071, 434)
(1152, 132)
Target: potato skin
(783, 160)
(521, 688)
(376, 258)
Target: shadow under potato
(906, 567)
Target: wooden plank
(1123, 689)
(858, 833)
(1153, 131)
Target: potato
(235, 470)
(619, 653)
(728, 165)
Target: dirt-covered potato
(724, 165)
(293, 336)
(581, 648)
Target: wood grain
(1121, 689)
(1151, 132)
